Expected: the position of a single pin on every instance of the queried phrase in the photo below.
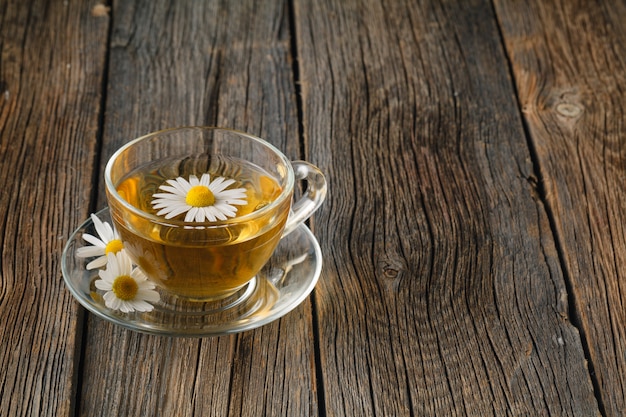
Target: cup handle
(312, 197)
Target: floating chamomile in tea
(200, 198)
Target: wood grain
(50, 92)
(442, 292)
(475, 156)
(569, 67)
(201, 63)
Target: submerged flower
(127, 288)
(147, 260)
(109, 242)
(200, 198)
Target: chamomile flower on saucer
(127, 287)
(200, 198)
(109, 242)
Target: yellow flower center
(113, 246)
(125, 287)
(200, 196)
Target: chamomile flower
(127, 288)
(109, 242)
(200, 198)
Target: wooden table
(474, 233)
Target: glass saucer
(283, 283)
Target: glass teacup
(201, 209)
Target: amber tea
(207, 261)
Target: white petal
(236, 202)
(113, 266)
(106, 275)
(141, 305)
(111, 301)
(89, 251)
(225, 208)
(140, 277)
(185, 185)
(209, 213)
(93, 240)
(97, 263)
(214, 214)
(168, 196)
(148, 295)
(181, 184)
(129, 260)
(126, 306)
(157, 205)
(146, 285)
(103, 285)
(171, 205)
(219, 184)
(201, 215)
(173, 211)
(191, 214)
(193, 180)
(205, 180)
(234, 193)
(103, 228)
(170, 191)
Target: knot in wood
(100, 10)
(390, 272)
(569, 110)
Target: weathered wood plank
(52, 57)
(442, 292)
(215, 63)
(570, 71)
